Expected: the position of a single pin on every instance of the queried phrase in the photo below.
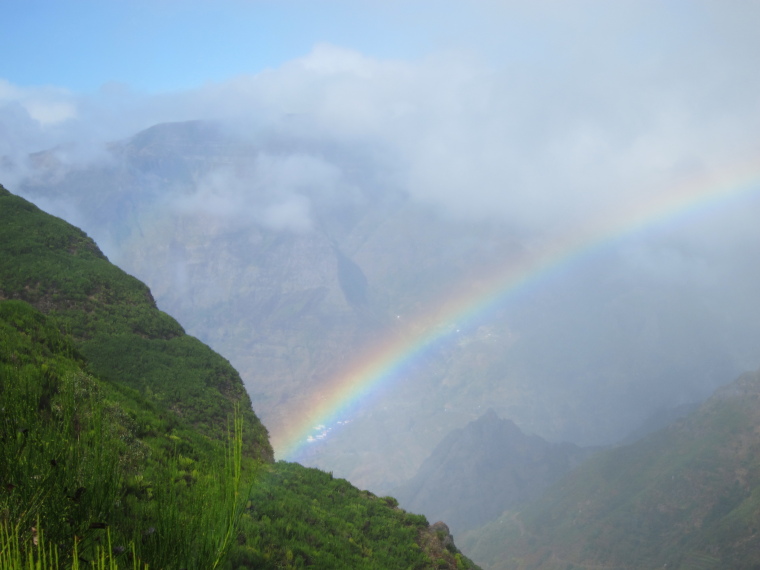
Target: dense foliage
(125, 443)
(116, 325)
(72, 464)
(300, 517)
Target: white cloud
(539, 114)
(290, 214)
(47, 105)
(274, 191)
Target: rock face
(479, 471)
(442, 528)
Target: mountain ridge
(687, 496)
(479, 471)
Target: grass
(71, 464)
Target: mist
(521, 122)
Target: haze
(535, 118)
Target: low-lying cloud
(271, 190)
(543, 116)
(600, 107)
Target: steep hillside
(479, 471)
(119, 429)
(85, 462)
(290, 305)
(59, 270)
(687, 496)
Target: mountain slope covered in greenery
(126, 441)
(687, 496)
(57, 269)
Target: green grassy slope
(78, 465)
(60, 271)
(117, 428)
(685, 497)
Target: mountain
(56, 268)
(190, 208)
(687, 496)
(126, 442)
(296, 258)
(479, 471)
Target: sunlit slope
(300, 517)
(85, 463)
(59, 270)
(685, 497)
(80, 457)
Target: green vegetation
(125, 443)
(112, 316)
(300, 517)
(73, 468)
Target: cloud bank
(585, 108)
(542, 116)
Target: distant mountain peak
(484, 468)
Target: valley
(300, 302)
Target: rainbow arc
(389, 358)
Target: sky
(568, 103)
(168, 45)
(542, 114)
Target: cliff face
(479, 471)
(289, 300)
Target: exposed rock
(442, 529)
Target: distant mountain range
(292, 257)
(687, 496)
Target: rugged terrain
(483, 469)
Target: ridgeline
(687, 496)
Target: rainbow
(387, 360)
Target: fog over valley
(538, 217)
